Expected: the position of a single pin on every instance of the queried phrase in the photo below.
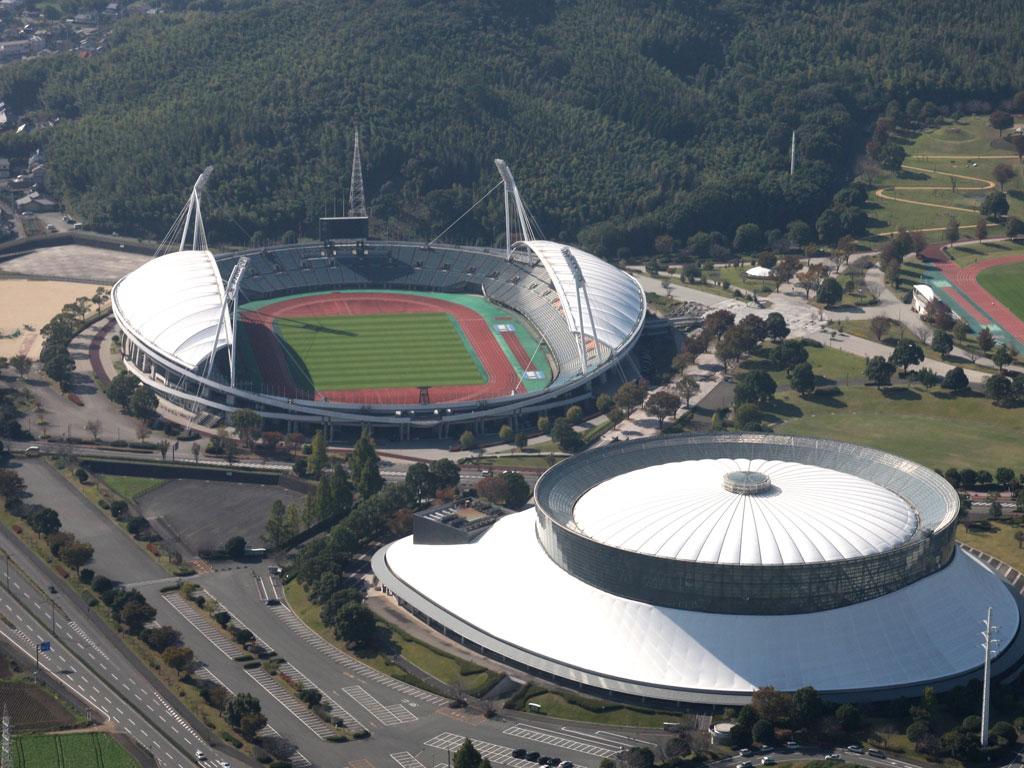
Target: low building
(34, 202)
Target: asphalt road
(101, 673)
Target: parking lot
(395, 714)
(561, 742)
(203, 623)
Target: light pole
(986, 689)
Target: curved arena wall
(746, 589)
(385, 265)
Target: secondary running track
(983, 307)
(502, 378)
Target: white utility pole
(792, 154)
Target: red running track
(966, 281)
(512, 339)
(501, 376)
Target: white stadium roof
(173, 303)
(545, 617)
(681, 510)
(617, 300)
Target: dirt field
(76, 262)
(28, 305)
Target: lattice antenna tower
(5, 742)
(356, 195)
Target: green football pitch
(414, 349)
(1006, 283)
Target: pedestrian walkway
(204, 625)
(395, 714)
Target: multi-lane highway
(83, 660)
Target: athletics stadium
(697, 569)
(350, 331)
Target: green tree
(942, 342)
(279, 529)
(906, 353)
(467, 440)
(630, 395)
(446, 473)
(520, 441)
(247, 425)
(574, 414)
(808, 707)
(466, 756)
(687, 386)
(878, 371)
(121, 388)
(234, 547)
(565, 437)
(986, 341)
(952, 231)
(76, 555)
(802, 379)
(662, 405)
(179, 658)
(604, 403)
(1002, 356)
(788, 355)
(143, 403)
(775, 327)
(505, 433)
(754, 387)
(1000, 389)
(1000, 120)
(747, 238)
(317, 455)
(421, 481)
(849, 717)
(239, 706)
(830, 292)
(763, 732)
(995, 205)
(892, 156)
(356, 624)
(365, 467)
(543, 424)
(747, 417)
(21, 364)
(955, 380)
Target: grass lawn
(966, 255)
(897, 331)
(968, 148)
(998, 542)
(389, 350)
(131, 487)
(81, 750)
(470, 677)
(568, 708)
(927, 426)
(1006, 283)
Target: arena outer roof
(617, 300)
(544, 618)
(681, 510)
(174, 303)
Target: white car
(200, 755)
(834, 756)
(224, 764)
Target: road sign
(44, 646)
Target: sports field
(73, 750)
(1006, 283)
(387, 350)
(388, 347)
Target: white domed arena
(700, 568)
(355, 332)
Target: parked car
(533, 757)
(744, 764)
(857, 749)
(792, 745)
(767, 761)
(877, 753)
(519, 754)
(32, 450)
(834, 756)
(746, 752)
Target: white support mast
(525, 230)
(194, 214)
(987, 635)
(231, 294)
(792, 154)
(582, 297)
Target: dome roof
(744, 512)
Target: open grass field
(1006, 283)
(402, 350)
(922, 195)
(927, 426)
(131, 487)
(966, 255)
(73, 750)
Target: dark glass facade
(746, 589)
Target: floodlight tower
(194, 214)
(356, 195)
(582, 297)
(986, 688)
(512, 191)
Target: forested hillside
(621, 118)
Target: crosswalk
(559, 741)
(395, 714)
(291, 702)
(299, 627)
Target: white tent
(761, 272)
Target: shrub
(104, 504)
(118, 508)
(81, 475)
(137, 525)
(85, 575)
